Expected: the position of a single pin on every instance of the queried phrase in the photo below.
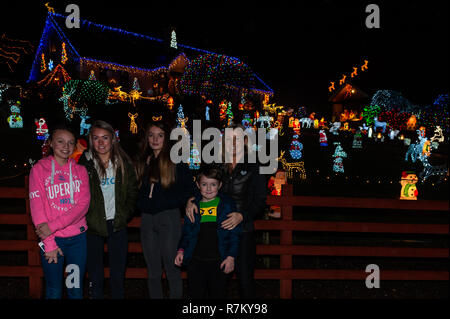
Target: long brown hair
(161, 169)
(118, 156)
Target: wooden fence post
(286, 239)
(34, 278)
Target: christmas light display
(364, 66)
(409, 190)
(411, 123)
(296, 148)
(397, 120)
(58, 77)
(429, 170)
(215, 75)
(378, 124)
(335, 127)
(331, 87)
(339, 155)
(43, 64)
(173, 40)
(84, 127)
(11, 50)
(41, 129)
(415, 149)
(352, 75)
(306, 122)
(15, 120)
(438, 135)
(63, 53)
(229, 114)
(357, 140)
(207, 117)
(194, 159)
(92, 76)
(323, 141)
(50, 65)
(181, 119)
(291, 168)
(90, 64)
(390, 100)
(133, 125)
(369, 113)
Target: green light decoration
(78, 94)
(369, 113)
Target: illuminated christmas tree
(63, 54)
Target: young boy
(208, 250)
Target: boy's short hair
(209, 172)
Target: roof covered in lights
(103, 44)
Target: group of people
(77, 207)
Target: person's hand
(227, 265)
(191, 208)
(43, 231)
(179, 258)
(52, 256)
(232, 221)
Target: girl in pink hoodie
(59, 201)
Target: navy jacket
(228, 239)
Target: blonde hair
(117, 155)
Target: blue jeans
(75, 252)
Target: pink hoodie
(59, 196)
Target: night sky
(295, 48)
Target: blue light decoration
(15, 120)
(50, 65)
(296, 148)
(194, 159)
(50, 28)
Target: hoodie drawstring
(53, 171)
(70, 179)
(70, 183)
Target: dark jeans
(74, 251)
(160, 234)
(117, 253)
(245, 265)
(206, 279)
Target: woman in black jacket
(243, 182)
(114, 190)
(165, 187)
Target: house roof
(99, 43)
(346, 92)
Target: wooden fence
(286, 249)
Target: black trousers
(117, 252)
(245, 265)
(206, 280)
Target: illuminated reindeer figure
(354, 73)
(364, 66)
(331, 87)
(291, 167)
(438, 135)
(429, 170)
(50, 9)
(133, 125)
(342, 81)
